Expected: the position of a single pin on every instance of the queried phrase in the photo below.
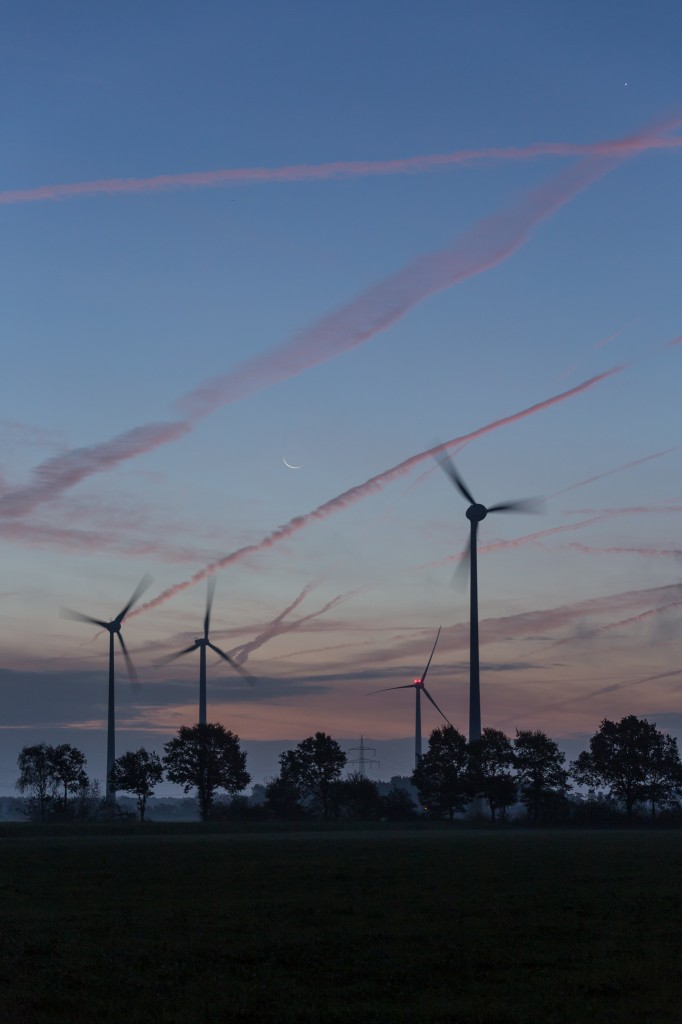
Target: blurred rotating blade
(448, 467)
(210, 593)
(137, 594)
(132, 674)
(69, 613)
(235, 665)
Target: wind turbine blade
(461, 573)
(132, 674)
(210, 592)
(427, 694)
(523, 505)
(448, 467)
(409, 686)
(69, 613)
(235, 665)
(137, 594)
(431, 656)
(173, 657)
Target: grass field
(174, 924)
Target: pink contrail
(589, 549)
(675, 341)
(371, 486)
(618, 469)
(481, 248)
(60, 472)
(337, 170)
(278, 627)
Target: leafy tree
(283, 799)
(634, 759)
(137, 772)
(206, 758)
(441, 777)
(358, 797)
(313, 767)
(68, 770)
(397, 804)
(491, 760)
(541, 778)
(36, 777)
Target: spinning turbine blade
(235, 665)
(523, 505)
(210, 592)
(132, 674)
(430, 657)
(408, 686)
(461, 573)
(137, 594)
(447, 465)
(69, 613)
(427, 694)
(174, 657)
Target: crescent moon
(288, 464)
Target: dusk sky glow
(339, 237)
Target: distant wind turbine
(475, 514)
(202, 643)
(114, 629)
(419, 688)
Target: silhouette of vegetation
(357, 798)
(206, 758)
(491, 762)
(48, 775)
(541, 778)
(311, 769)
(442, 775)
(635, 760)
(137, 772)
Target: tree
(137, 772)
(397, 804)
(68, 770)
(441, 777)
(313, 767)
(633, 758)
(358, 797)
(541, 778)
(36, 777)
(283, 799)
(491, 759)
(206, 758)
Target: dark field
(174, 924)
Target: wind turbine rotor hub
(476, 513)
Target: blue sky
(116, 306)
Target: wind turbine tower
(419, 688)
(476, 513)
(114, 629)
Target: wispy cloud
(371, 486)
(341, 169)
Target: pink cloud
(344, 169)
(371, 486)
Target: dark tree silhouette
(68, 769)
(441, 777)
(36, 777)
(491, 762)
(397, 804)
(283, 799)
(634, 759)
(541, 778)
(313, 767)
(206, 758)
(358, 797)
(137, 772)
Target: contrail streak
(278, 627)
(371, 486)
(482, 247)
(618, 469)
(342, 169)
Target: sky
(339, 235)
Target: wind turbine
(202, 643)
(114, 629)
(419, 688)
(475, 514)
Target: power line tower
(363, 762)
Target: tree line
(631, 768)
